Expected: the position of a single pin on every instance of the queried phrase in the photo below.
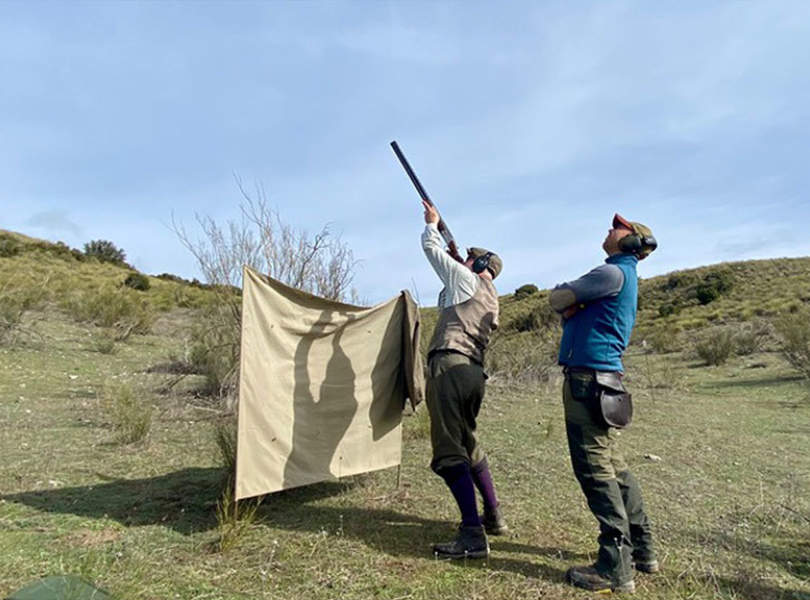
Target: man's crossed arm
(602, 282)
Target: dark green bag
(60, 587)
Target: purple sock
(483, 481)
(460, 482)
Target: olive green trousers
(612, 492)
(455, 390)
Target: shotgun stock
(444, 230)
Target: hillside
(114, 462)
(682, 300)
(674, 308)
(745, 290)
(54, 272)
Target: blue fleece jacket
(597, 335)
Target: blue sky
(529, 124)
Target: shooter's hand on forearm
(431, 214)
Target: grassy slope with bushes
(746, 297)
(112, 466)
(64, 274)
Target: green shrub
(215, 348)
(119, 308)
(103, 341)
(174, 278)
(525, 291)
(524, 322)
(182, 299)
(681, 280)
(751, 337)
(61, 250)
(225, 439)
(527, 358)
(540, 317)
(233, 518)
(9, 246)
(105, 251)
(668, 309)
(137, 281)
(715, 346)
(15, 301)
(705, 293)
(663, 340)
(721, 279)
(128, 414)
(793, 331)
(714, 284)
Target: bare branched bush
(320, 264)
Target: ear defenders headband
(637, 244)
(481, 263)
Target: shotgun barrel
(444, 230)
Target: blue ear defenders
(481, 263)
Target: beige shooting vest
(466, 327)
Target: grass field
(729, 497)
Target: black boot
(470, 542)
(649, 565)
(588, 578)
(493, 521)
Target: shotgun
(444, 230)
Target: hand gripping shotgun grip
(444, 230)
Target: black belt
(433, 353)
(578, 370)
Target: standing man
(598, 311)
(468, 313)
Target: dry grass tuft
(127, 413)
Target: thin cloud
(54, 222)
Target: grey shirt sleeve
(459, 282)
(602, 282)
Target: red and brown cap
(648, 241)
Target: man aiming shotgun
(468, 313)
